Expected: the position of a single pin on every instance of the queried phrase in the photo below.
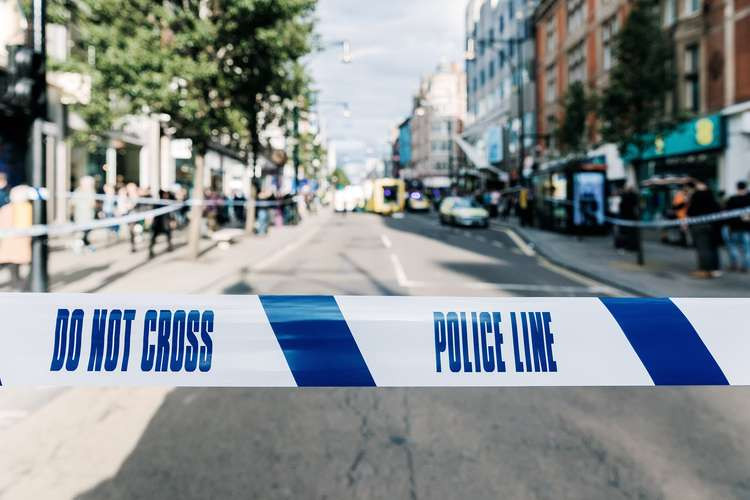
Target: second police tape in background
(163, 207)
(688, 221)
(344, 341)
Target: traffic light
(23, 91)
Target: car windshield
(466, 203)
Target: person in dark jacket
(703, 202)
(627, 237)
(738, 242)
(161, 225)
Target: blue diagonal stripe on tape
(665, 341)
(316, 341)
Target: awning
(476, 157)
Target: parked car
(463, 211)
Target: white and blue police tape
(348, 341)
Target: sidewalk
(666, 271)
(113, 268)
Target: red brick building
(712, 61)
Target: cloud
(394, 43)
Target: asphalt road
(432, 443)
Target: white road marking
(522, 245)
(523, 287)
(401, 274)
(498, 244)
(481, 238)
(613, 292)
(386, 241)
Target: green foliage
(209, 65)
(339, 178)
(572, 131)
(633, 105)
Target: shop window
(609, 30)
(576, 14)
(551, 35)
(670, 11)
(691, 7)
(691, 78)
(551, 84)
(576, 64)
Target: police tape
(664, 223)
(359, 341)
(61, 229)
(164, 207)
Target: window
(510, 10)
(670, 8)
(577, 64)
(481, 78)
(492, 35)
(501, 59)
(691, 6)
(502, 23)
(609, 30)
(551, 35)
(692, 81)
(492, 70)
(551, 84)
(575, 14)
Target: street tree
(634, 105)
(573, 129)
(206, 66)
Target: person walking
(15, 251)
(84, 208)
(738, 242)
(109, 208)
(629, 209)
(703, 202)
(161, 224)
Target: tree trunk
(250, 210)
(196, 211)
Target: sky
(393, 43)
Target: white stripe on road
(523, 287)
(611, 291)
(386, 241)
(522, 245)
(401, 274)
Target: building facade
(500, 86)
(438, 114)
(575, 42)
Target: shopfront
(693, 149)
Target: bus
(385, 196)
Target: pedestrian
(109, 207)
(162, 224)
(15, 251)
(738, 241)
(129, 206)
(84, 209)
(4, 189)
(680, 209)
(630, 210)
(702, 202)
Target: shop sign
(694, 136)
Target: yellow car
(463, 211)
